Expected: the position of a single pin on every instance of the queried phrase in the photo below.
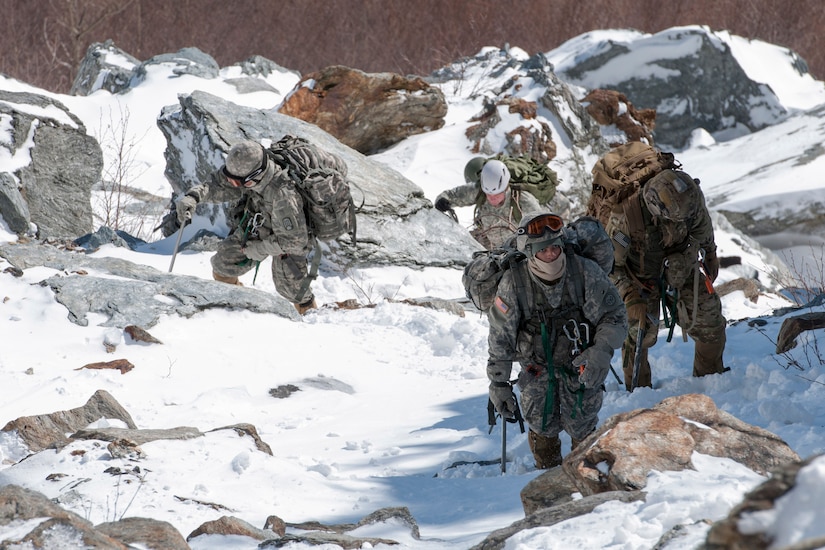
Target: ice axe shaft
(503, 446)
(177, 241)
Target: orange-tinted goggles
(249, 179)
(540, 224)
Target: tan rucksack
(620, 174)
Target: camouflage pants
(289, 272)
(698, 313)
(570, 407)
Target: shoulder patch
(501, 305)
(610, 299)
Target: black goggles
(249, 179)
(541, 224)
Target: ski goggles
(539, 225)
(249, 179)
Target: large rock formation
(692, 80)
(368, 112)
(54, 164)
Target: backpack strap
(313, 270)
(632, 210)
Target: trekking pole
(615, 375)
(187, 219)
(637, 357)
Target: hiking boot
(576, 442)
(306, 306)
(707, 358)
(628, 355)
(227, 280)
(546, 450)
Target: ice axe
(186, 221)
(491, 421)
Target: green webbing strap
(313, 270)
(257, 265)
(551, 376)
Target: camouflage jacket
(493, 224)
(661, 247)
(272, 212)
(515, 329)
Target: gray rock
(186, 61)
(144, 533)
(104, 67)
(65, 163)
(706, 88)
(132, 298)
(729, 533)
(58, 528)
(47, 430)
(13, 206)
(556, 514)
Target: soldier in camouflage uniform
(268, 219)
(660, 236)
(499, 208)
(560, 317)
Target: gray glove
(185, 208)
(503, 399)
(593, 364)
(260, 250)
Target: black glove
(443, 205)
(503, 399)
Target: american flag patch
(622, 239)
(502, 307)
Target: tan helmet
(246, 164)
(672, 195)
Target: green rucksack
(529, 175)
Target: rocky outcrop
(56, 164)
(693, 80)
(614, 461)
(368, 112)
(48, 430)
(138, 294)
(615, 113)
(60, 528)
(104, 67)
(742, 530)
(619, 455)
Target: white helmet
(494, 177)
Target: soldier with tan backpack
(665, 255)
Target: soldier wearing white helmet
(498, 206)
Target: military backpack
(328, 204)
(619, 175)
